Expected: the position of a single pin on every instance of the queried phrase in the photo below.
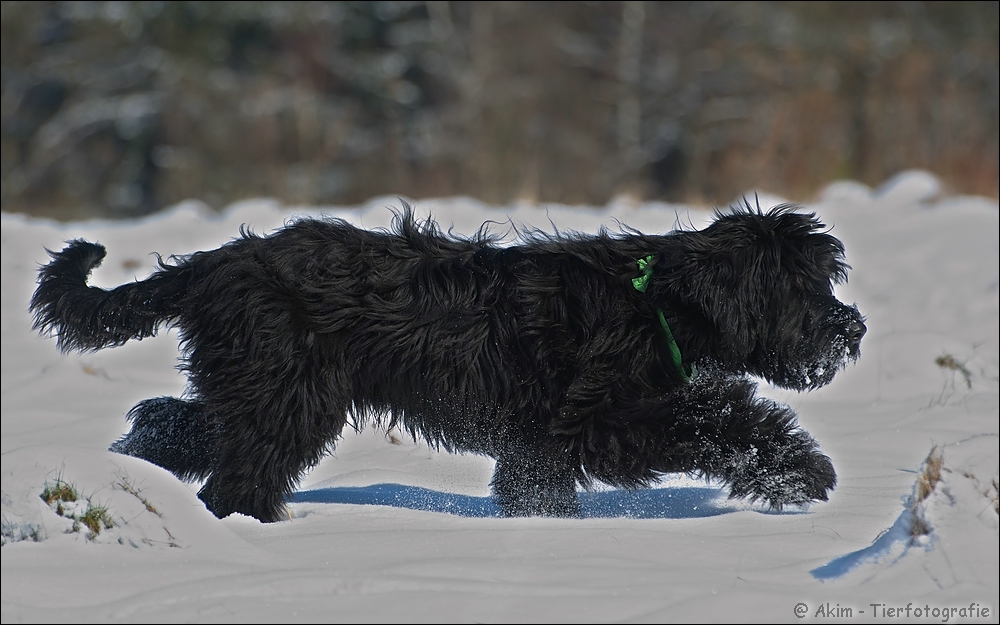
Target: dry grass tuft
(947, 361)
(95, 519)
(927, 480)
(61, 495)
(929, 476)
(58, 493)
(124, 485)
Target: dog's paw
(795, 475)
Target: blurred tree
(120, 108)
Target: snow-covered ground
(389, 530)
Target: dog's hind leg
(275, 428)
(257, 471)
(531, 481)
(172, 433)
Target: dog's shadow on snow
(686, 502)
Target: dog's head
(753, 292)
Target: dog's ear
(718, 284)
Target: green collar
(641, 283)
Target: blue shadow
(657, 503)
(880, 550)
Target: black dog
(567, 358)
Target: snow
(389, 530)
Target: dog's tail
(87, 318)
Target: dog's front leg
(719, 428)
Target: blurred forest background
(120, 108)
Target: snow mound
(910, 187)
(115, 500)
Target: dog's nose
(856, 330)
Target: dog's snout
(855, 330)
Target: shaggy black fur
(542, 355)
